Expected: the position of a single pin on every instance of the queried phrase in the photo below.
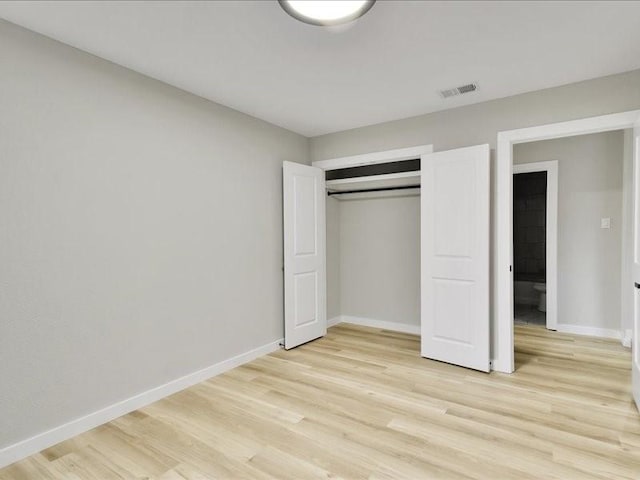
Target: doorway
(535, 241)
(503, 337)
(529, 248)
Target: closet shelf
(393, 180)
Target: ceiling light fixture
(326, 12)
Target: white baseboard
(591, 331)
(626, 338)
(334, 321)
(384, 324)
(37, 443)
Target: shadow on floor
(529, 315)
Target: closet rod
(364, 190)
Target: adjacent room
(530, 247)
(271, 239)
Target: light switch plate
(605, 223)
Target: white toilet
(541, 288)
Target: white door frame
(372, 158)
(503, 295)
(551, 167)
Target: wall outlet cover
(605, 222)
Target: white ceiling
(251, 56)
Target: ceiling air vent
(452, 92)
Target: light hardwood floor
(361, 403)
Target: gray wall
(380, 258)
(141, 233)
(480, 123)
(333, 258)
(589, 257)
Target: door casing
(503, 356)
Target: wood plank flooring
(361, 404)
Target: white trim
(590, 331)
(503, 295)
(334, 321)
(551, 167)
(627, 290)
(383, 324)
(374, 157)
(37, 443)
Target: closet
(450, 243)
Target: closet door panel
(304, 254)
(455, 256)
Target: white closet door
(455, 256)
(635, 341)
(305, 291)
